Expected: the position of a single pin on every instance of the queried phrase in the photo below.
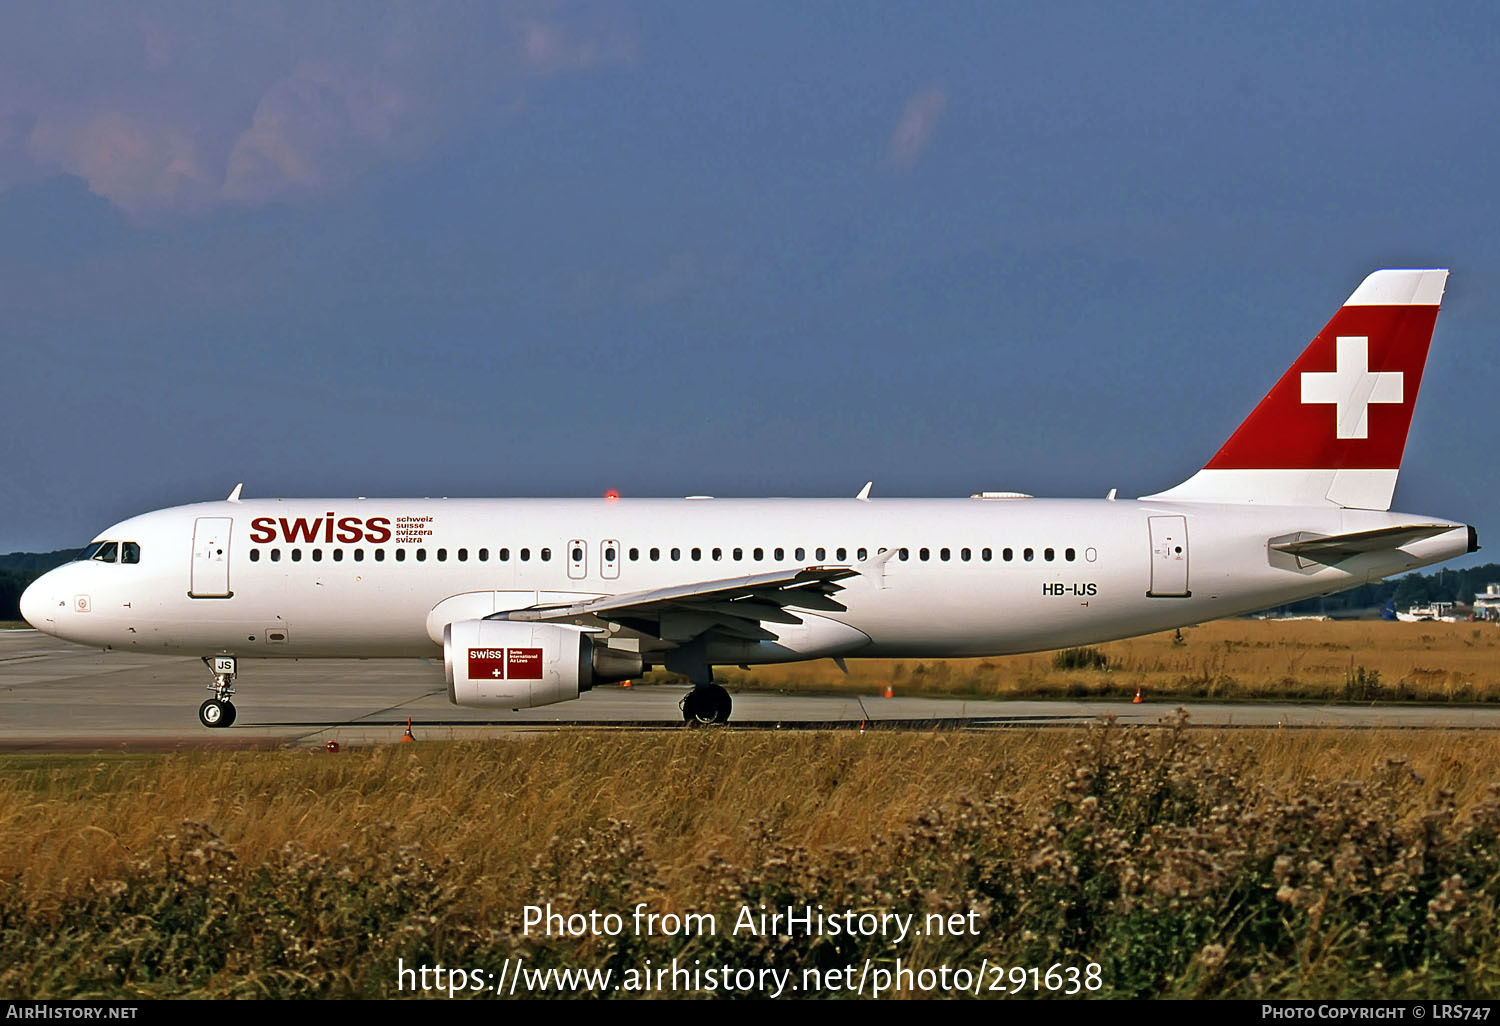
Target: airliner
(534, 601)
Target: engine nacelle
(517, 665)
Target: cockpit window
(88, 551)
(106, 552)
(130, 552)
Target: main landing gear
(706, 703)
(218, 711)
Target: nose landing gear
(218, 711)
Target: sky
(677, 248)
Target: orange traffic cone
(408, 735)
(1139, 698)
(625, 683)
(890, 692)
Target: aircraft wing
(734, 607)
(1336, 548)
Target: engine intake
(512, 665)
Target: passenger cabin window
(841, 555)
(338, 555)
(697, 553)
(484, 555)
(1069, 555)
(1029, 555)
(739, 554)
(546, 555)
(1047, 554)
(655, 555)
(130, 552)
(525, 555)
(255, 555)
(359, 555)
(400, 555)
(676, 554)
(421, 555)
(985, 554)
(296, 555)
(861, 554)
(442, 555)
(380, 555)
(505, 555)
(801, 553)
(759, 554)
(964, 554)
(317, 555)
(1008, 555)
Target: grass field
(1357, 660)
(1183, 863)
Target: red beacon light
(611, 495)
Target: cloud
(314, 129)
(918, 121)
(169, 107)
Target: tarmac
(62, 697)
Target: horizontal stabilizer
(1335, 548)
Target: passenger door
(210, 573)
(1169, 558)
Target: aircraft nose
(34, 604)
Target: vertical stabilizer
(1333, 429)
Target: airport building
(1487, 603)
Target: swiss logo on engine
(524, 664)
(486, 662)
(505, 664)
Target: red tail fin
(1333, 429)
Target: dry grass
(1188, 863)
(489, 804)
(1227, 659)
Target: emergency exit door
(210, 574)
(1169, 557)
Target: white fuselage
(1078, 571)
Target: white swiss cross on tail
(1352, 388)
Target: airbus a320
(534, 601)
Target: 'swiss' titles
(328, 529)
